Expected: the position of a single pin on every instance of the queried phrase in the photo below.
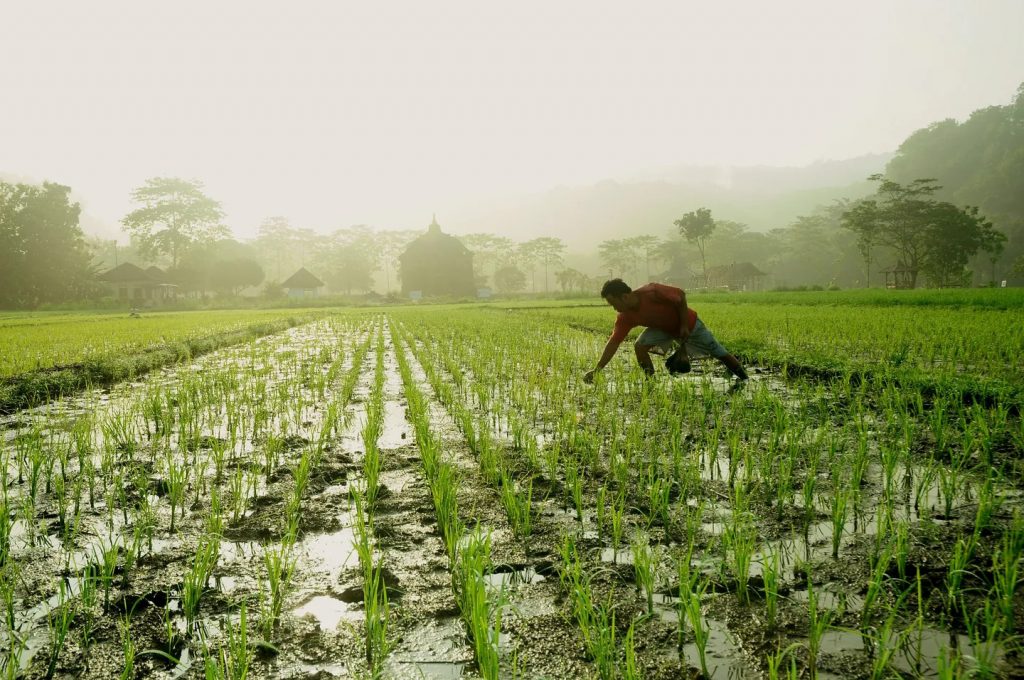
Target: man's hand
(588, 377)
(684, 332)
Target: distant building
(139, 287)
(678, 274)
(437, 264)
(302, 284)
(735, 276)
(899, 276)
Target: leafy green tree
(697, 227)
(390, 244)
(489, 253)
(864, 219)
(349, 258)
(954, 235)
(275, 242)
(548, 251)
(510, 279)
(1018, 266)
(235, 275)
(174, 215)
(571, 280)
(645, 248)
(929, 236)
(617, 255)
(526, 259)
(43, 254)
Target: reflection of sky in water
(328, 611)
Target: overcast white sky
(337, 113)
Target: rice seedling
(233, 659)
(87, 598)
(901, 547)
(1006, 578)
(629, 667)
(375, 597)
(984, 630)
(950, 482)
(618, 511)
(885, 644)
(479, 613)
(518, 506)
(770, 576)
(106, 557)
(124, 628)
(644, 567)
(177, 482)
(59, 621)
(197, 578)
(601, 511)
(6, 525)
(658, 500)
(818, 621)
(960, 558)
(988, 505)
(279, 565)
(840, 502)
(700, 628)
(739, 541)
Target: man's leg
(702, 339)
(643, 357)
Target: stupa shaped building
(437, 264)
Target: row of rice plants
(476, 414)
(377, 646)
(468, 553)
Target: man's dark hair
(615, 287)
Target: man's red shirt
(659, 308)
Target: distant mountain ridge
(761, 197)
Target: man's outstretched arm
(610, 348)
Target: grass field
(39, 341)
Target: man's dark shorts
(700, 343)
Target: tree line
(948, 211)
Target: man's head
(617, 293)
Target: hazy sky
(337, 113)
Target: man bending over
(662, 310)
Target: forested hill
(761, 197)
(978, 162)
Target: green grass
(30, 342)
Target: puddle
(397, 431)
(510, 576)
(828, 599)
(328, 611)
(620, 556)
(435, 649)
(666, 607)
(920, 653)
(328, 552)
(720, 655)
